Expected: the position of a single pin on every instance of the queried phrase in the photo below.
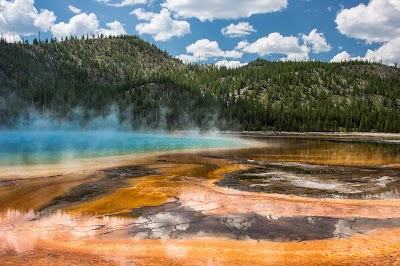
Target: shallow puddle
(173, 221)
(322, 181)
(320, 168)
(320, 151)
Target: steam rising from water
(111, 118)
(43, 138)
(76, 120)
(32, 147)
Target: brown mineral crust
(233, 201)
(379, 248)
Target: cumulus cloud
(229, 64)
(376, 22)
(186, 58)
(78, 25)
(379, 21)
(115, 28)
(10, 38)
(317, 41)
(222, 9)
(289, 46)
(204, 49)
(22, 18)
(141, 14)
(161, 26)
(341, 57)
(239, 30)
(389, 53)
(275, 43)
(74, 9)
(344, 56)
(84, 24)
(242, 44)
(124, 2)
(232, 54)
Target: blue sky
(229, 33)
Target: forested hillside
(148, 89)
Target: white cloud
(222, 9)
(125, 2)
(78, 25)
(345, 56)
(84, 24)
(242, 44)
(10, 38)
(141, 14)
(239, 30)
(295, 57)
(102, 1)
(232, 54)
(161, 26)
(188, 58)
(45, 20)
(74, 9)
(204, 49)
(229, 64)
(379, 21)
(115, 28)
(341, 57)
(389, 53)
(317, 41)
(275, 43)
(22, 18)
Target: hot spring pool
(36, 147)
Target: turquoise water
(35, 147)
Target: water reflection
(317, 151)
(321, 181)
(320, 168)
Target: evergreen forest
(80, 79)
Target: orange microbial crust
(168, 211)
